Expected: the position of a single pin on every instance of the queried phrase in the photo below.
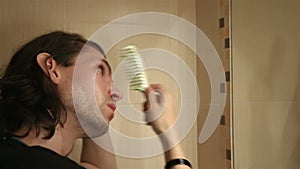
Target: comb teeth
(134, 68)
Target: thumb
(157, 104)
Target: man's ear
(49, 66)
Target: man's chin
(95, 132)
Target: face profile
(94, 95)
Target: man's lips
(112, 106)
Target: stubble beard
(89, 115)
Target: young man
(40, 119)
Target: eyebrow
(107, 64)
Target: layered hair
(28, 98)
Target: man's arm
(163, 101)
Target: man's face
(103, 90)
(93, 99)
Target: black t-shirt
(16, 155)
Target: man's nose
(115, 93)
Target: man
(42, 111)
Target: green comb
(134, 68)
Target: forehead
(91, 52)
(88, 56)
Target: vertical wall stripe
(225, 56)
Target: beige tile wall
(216, 151)
(266, 76)
(22, 20)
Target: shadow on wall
(265, 71)
(292, 129)
(285, 69)
(291, 132)
(275, 117)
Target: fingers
(156, 103)
(147, 93)
(154, 87)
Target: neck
(61, 142)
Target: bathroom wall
(23, 20)
(266, 84)
(213, 18)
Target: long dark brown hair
(28, 98)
